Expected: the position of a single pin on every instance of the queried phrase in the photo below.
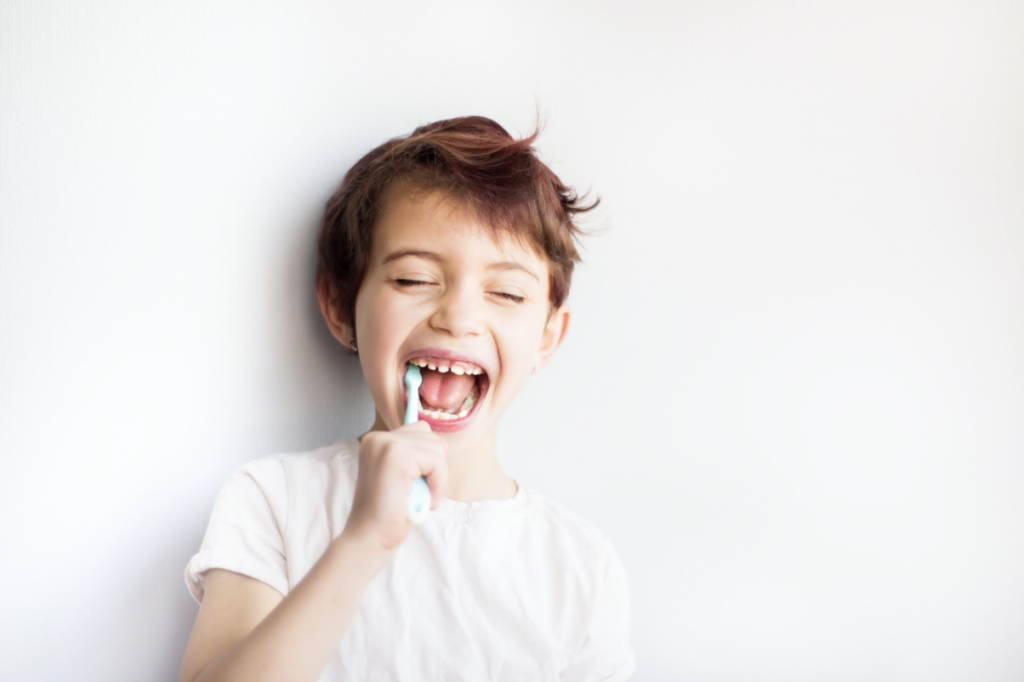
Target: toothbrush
(419, 497)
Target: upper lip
(445, 354)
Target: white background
(793, 394)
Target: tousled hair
(476, 162)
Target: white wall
(794, 390)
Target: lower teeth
(444, 415)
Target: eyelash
(510, 297)
(410, 283)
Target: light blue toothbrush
(419, 497)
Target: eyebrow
(512, 265)
(504, 265)
(411, 253)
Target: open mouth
(451, 389)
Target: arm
(247, 631)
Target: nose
(459, 312)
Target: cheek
(376, 317)
(376, 337)
(522, 342)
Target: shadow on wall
(178, 607)
(320, 384)
(316, 395)
(145, 620)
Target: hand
(389, 461)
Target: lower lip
(451, 425)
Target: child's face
(440, 291)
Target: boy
(451, 249)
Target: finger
(421, 437)
(413, 427)
(428, 459)
(437, 480)
(433, 462)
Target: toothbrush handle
(419, 501)
(418, 506)
(412, 411)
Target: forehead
(413, 217)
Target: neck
(474, 473)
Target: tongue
(444, 391)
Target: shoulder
(281, 482)
(336, 461)
(563, 521)
(592, 576)
(578, 543)
(262, 501)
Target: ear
(341, 327)
(554, 333)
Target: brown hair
(474, 160)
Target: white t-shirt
(518, 589)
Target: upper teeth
(455, 367)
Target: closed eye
(514, 298)
(409, 283)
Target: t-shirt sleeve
(606, 654)
(246, 530)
